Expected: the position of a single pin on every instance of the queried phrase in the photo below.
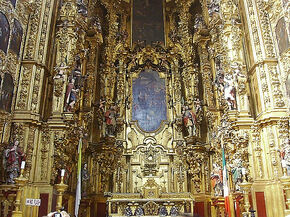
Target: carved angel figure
(60, 71)
(128, 211)
(163, 211)
(139, 212)
(189, 120)
(13, 156)
(174, 211)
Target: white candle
(22, 165)
(62, 172)
(283, 163)
(243, 171)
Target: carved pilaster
(205, 70)
(107, 155)
(258, 151)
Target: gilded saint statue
(71, 95)
(189, 120)
(13, 156)
(111, 121)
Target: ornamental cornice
(262, 62)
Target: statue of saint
(71, 95)
(189, 120)
(230, 92)
(13, 156)
(110, 120)
(216, 180)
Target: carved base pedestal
(286, 184)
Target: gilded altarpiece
(154, 112)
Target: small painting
(4, 32)
(6, 93)
(148, 24)
(282, 37)
(149, 100)
(16, 37)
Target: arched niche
(16, 37)
(5, 30)
(6, 93)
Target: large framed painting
(148, 23)
(4, 32)
(149, 100)
(6, 93)
(16, 37)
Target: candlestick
(60, 188)
(20, 183)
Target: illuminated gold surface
(242, 34)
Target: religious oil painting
(149, 100)
(281, 34)
(6, 93)
(16, 38)
(4, 32)
(148, 24)
(13, 2)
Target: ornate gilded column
(258, 165)
(66, 38)
(94, 39)
(235, 75)
(107, 155)
(35, 61)
(196, 157)
(20, 183)
(205, 70)
(189, 75)
(246, 187)
(60, 188)
(265, 56)
(108, 73)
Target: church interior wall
(67, 75)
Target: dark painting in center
(148, 22)
(149, 100)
